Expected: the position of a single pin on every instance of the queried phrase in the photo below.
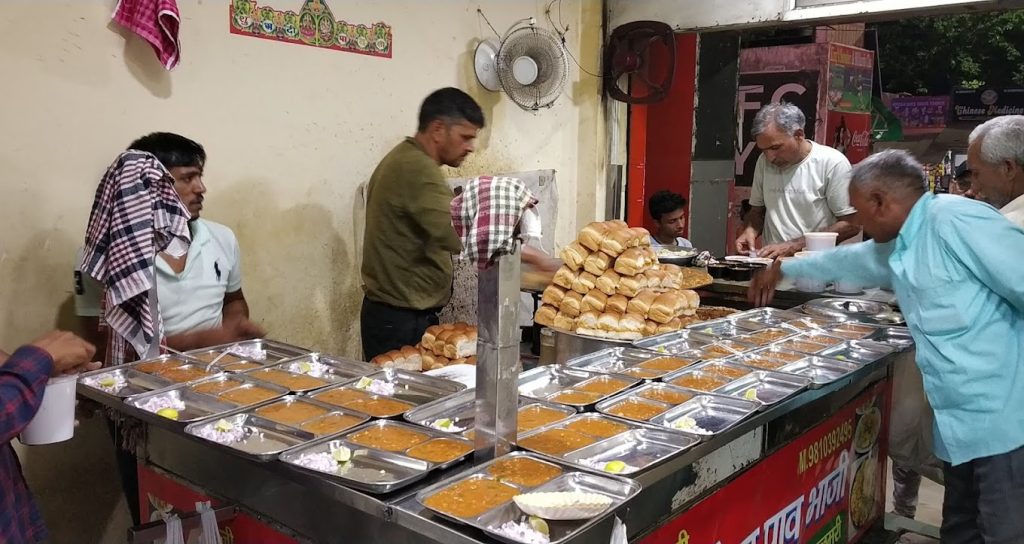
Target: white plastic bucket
(820, 241)
(55, 420)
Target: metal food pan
(544, 381)
(759, 318)
(432, 434)
(718, 328)
(460, 410)
(321, 395)
(674, 342)
(293, 399)
(898, 338)
(725, 368)
(649, 391)
(800, 344)
(609, 406)
(674, 378)
(768, 388)
(273, 351)
(616, 361)
(819, 370)
(477, 473)
(263, 374)
(191, 406)
(244, 382)
(166, 361)
(724, 348)
(706, 415)
(409, 387)
(639, 450)
(370, 470)
(572, 424)
(315, 364)
(859, 352)
(767, 335)
(121, 382)
(260, 438)
(812, 323)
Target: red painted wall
(661, 136)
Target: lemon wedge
(614, 467)
(685, 423)
(540, 525)
(841, 357)
(342, 454)
(751, 394)
(305, 367)
(223, 426)
(169, 413)
(107, 382)
(444, 423)
(363, 383)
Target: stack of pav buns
(612, 286)
(441, 345)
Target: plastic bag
(210, 532)
(619, 532)
(174, 534)
(911, 438)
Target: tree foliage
(931, 55)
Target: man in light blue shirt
(954, 266)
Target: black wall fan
(628, 55)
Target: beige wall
(291, 131)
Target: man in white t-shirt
(799, 186)
(996, 156)
(200, 294)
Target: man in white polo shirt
(200, 294)
(799, 186)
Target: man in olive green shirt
(409, 239)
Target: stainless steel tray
(674, 342)
(726, 368)
(801, 344)
(460, 410)
(759, 318)
(123, 382)
(411, 387)
(273, 352)
(370, 470)
(545, 382)
(768, 388)
(639, 449)
(619, 489)
(241, 381)
(260, 438)
(650, 391)
(819, 370)
(859, 352)
(573, 424)
(614, 361)
(612, 407)
(264, 374)
(676, 377)
(190, 406)
(315, 364)
(767, 335)
(432, 434)
(718, 328)
(898, 338)
(813, 323)
(706, 415)
(724, 348)
(855, 309)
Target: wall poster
(314, 25)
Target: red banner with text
(825, 487)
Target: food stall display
(441, 346)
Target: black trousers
(384, 327)
(984, 502)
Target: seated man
(200, 294)
(668, 210)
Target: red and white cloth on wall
(157, 22)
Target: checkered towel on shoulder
(485, 216)
(135, 215)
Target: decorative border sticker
(313, 25)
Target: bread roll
(629, 286)
(666, 307)
(429, 361)
(631, 262)
(651, 327)
(564, 322)
(617, 223)
(573, 255)
(443, 339)
(597, 263)
(588, 320)
(616, 241)
(692, 298)
(553, 295)
(608, 282)
(594, 300)
(654, 278)
(545, 316)
(471, 360)
(591, 235)
(616, 303)
(609, 321)
(570, 306)
(641, 303)
(672, 276)
(463, 345)
(413, 359)
(564, 277)
(585, 281)
(429, 335)
(671, 326)
(631, 327)
(397, 359)
(642, 235)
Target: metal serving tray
(412, 387)
(619, 490)
(707, 415)
(317, 364)
(242, 381)
(293, 399)
(726, 368)
(273, 352)
(759, 318)
(813, 323)
(800, 344)
(191, 406)
(819, 370)
(767, 335)
(674, 342)
(674, 379)
(768, 388)
(612, 406)
(639, 449)
(460, 410)
(370, 470)
(655, 390)
(859, 352)
(261, 438)
(432, 434)
(717, 328)
(898, 338)
(545, 382)
(724, 348)
(615, 361)
(573, 424)
(264, 374)
(123, 382)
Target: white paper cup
(808, 285)
(55, 420)
(820, 241)
(847, 287)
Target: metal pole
(497, 369)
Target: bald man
(945, 257)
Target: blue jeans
(984, 501)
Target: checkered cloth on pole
(135, 215)
(485, 216)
